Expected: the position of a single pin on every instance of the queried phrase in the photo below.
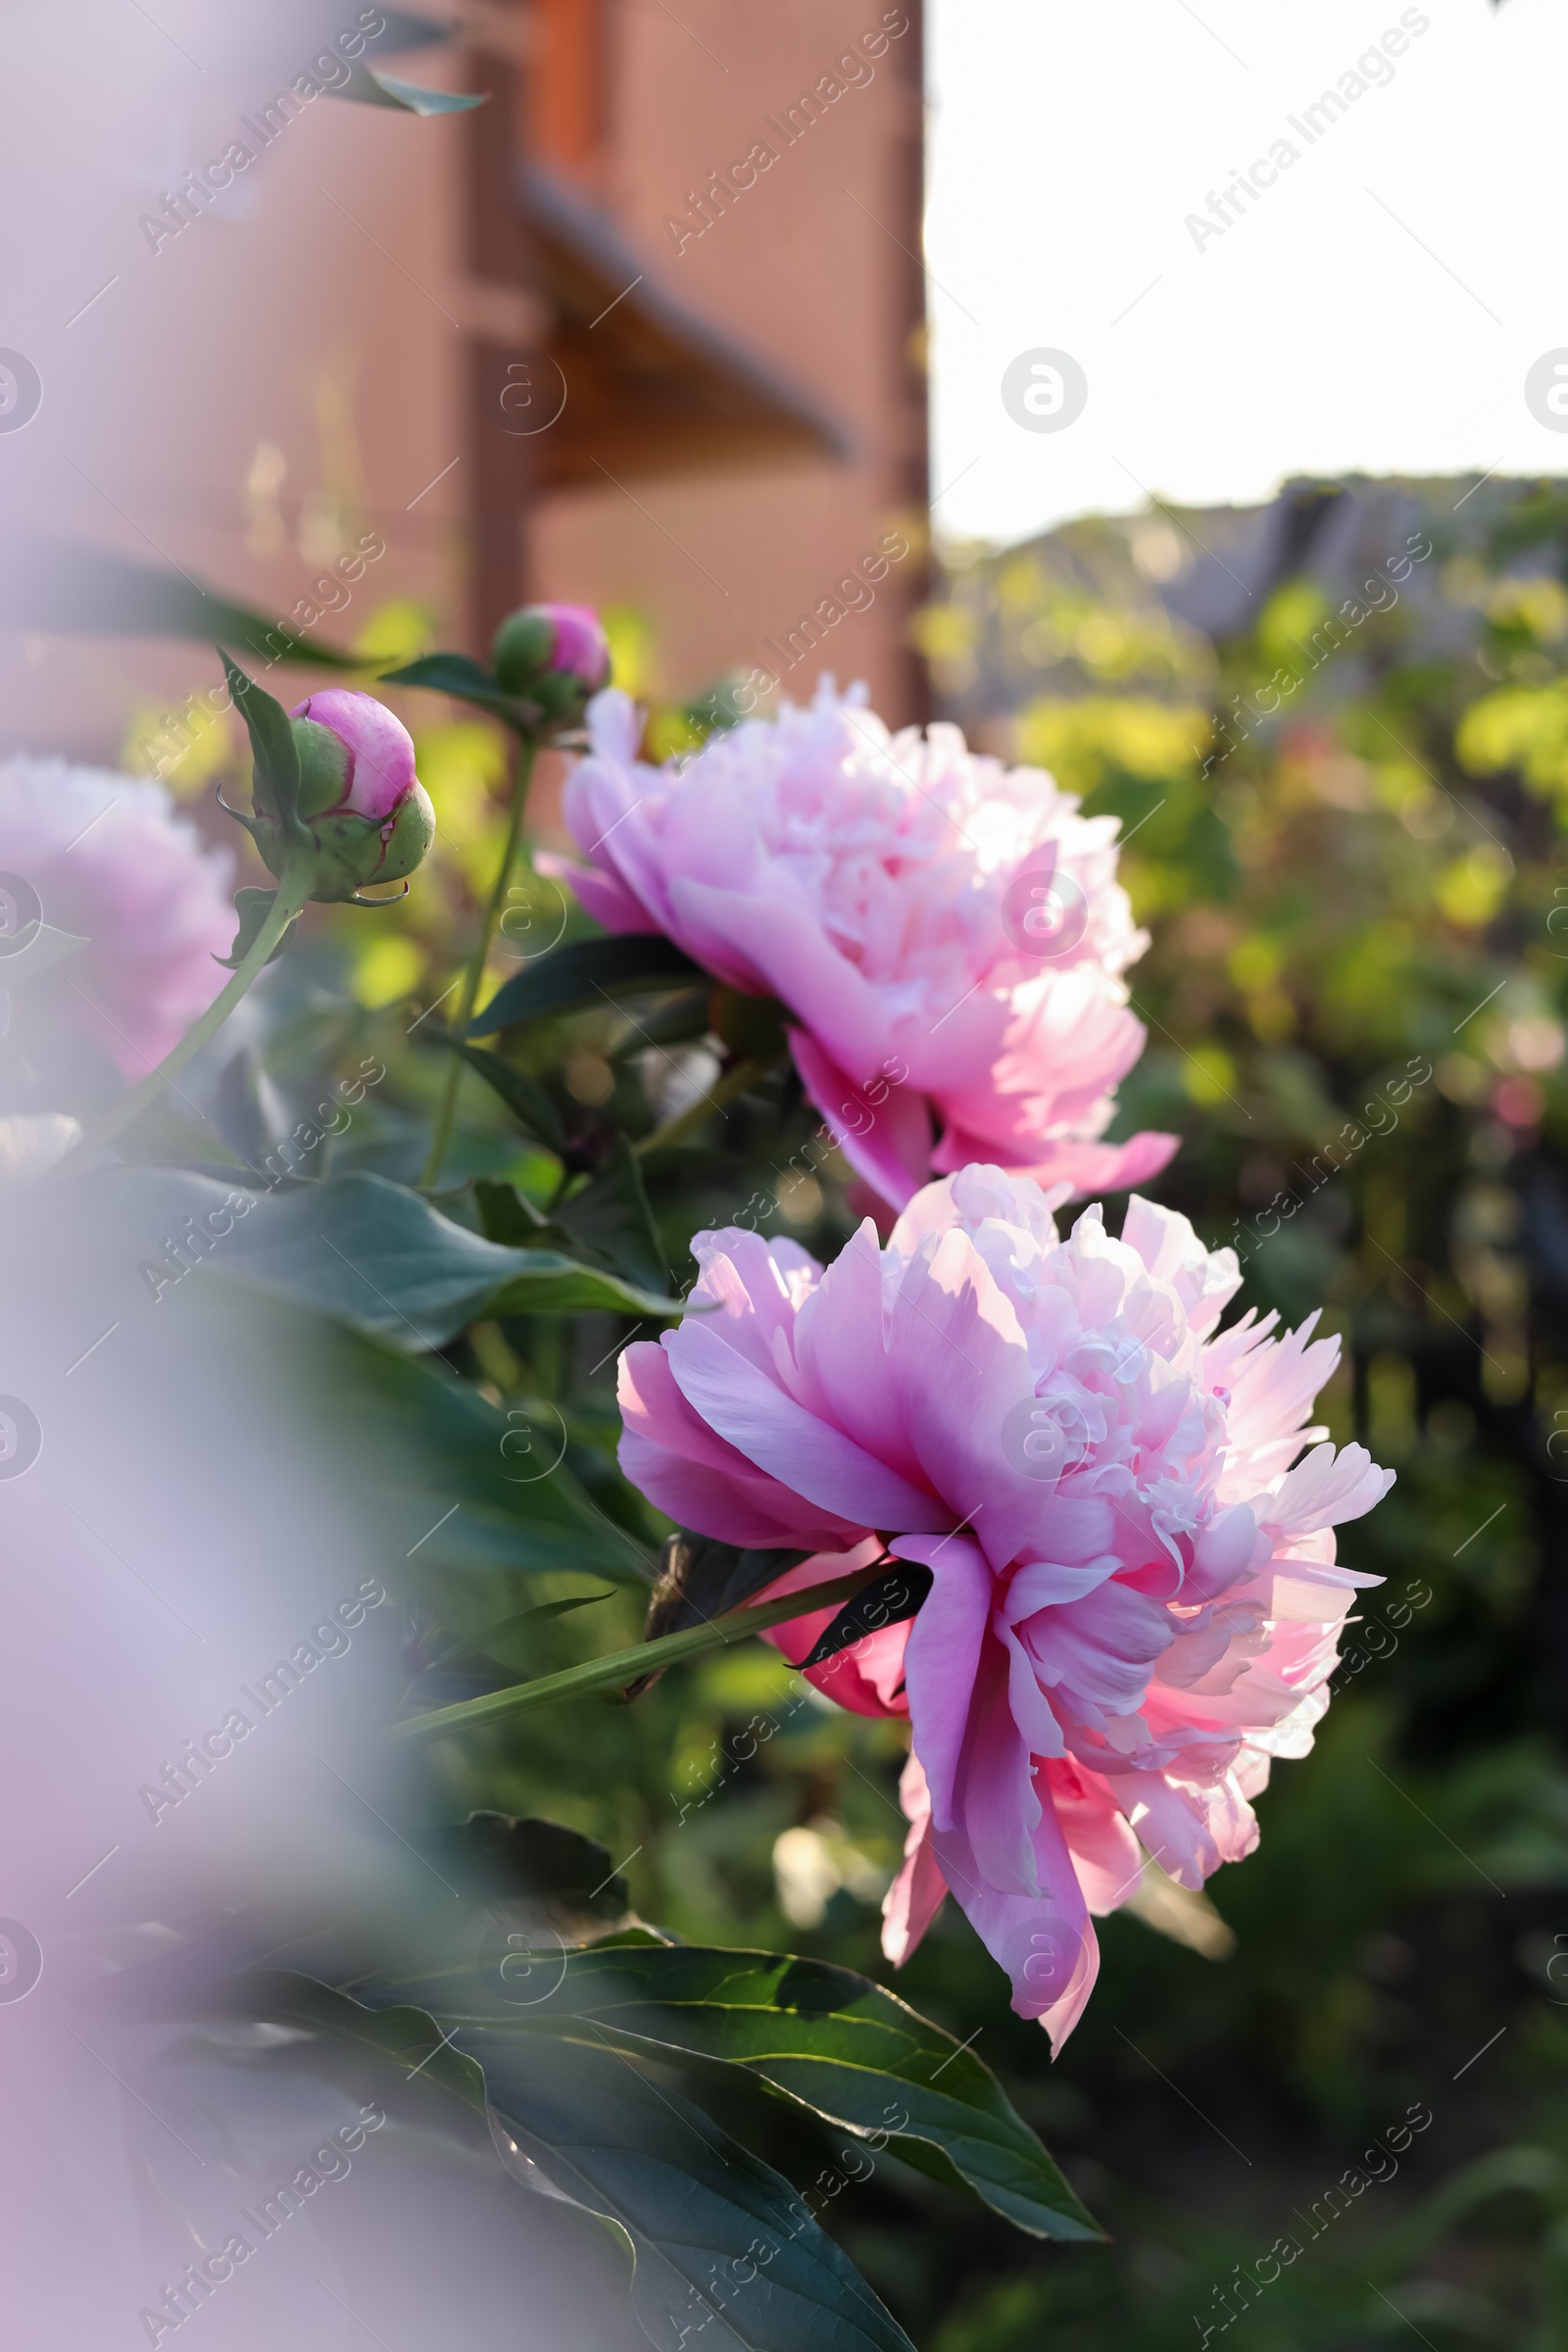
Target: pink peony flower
(1133, 1600)
(377, 773)
(926, 915)
(110, 861)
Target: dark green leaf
(896, 1596)
(699, 1579)
(586, 971)
(838, 2043)
(253, 908)
(724, 2244)
(429, 1439)
(677, 1021)
(273, 747)
(755, 1027)
(368, 87)
(63, 590)
(410, 2037)
(527, 1100)
(456, 675)
(511, 1645)
(378, 1258)
(502, 1858)
(508, 1216)
(612, 1217)
(721, 2243)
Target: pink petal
(1326, 1490)
(1086, 1168)
(841, 1356)
(789, 955)
(916, 1895)
(893, 1151)
(602, 895)
(1106, 1854)
(699, 1481)
(793, 1445)
(1044, 1941)
(943, 1657)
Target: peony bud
(556, 655)
(368, 817)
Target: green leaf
(527, 1100)
(368, 87)
(677, 1021)
(379, 1258)
(407, 2036)
(511, 1645)
(458, 675)
(504, 1858)
(835, 2042)
(720, 2241)
(162, 1136)
(253, 908)
(422, 1435)
(725, 2248)
(623, 1667)
(701, 1578)
(586, 971)
(612, 1217)
(61, 590)
(273, 747)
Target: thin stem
(286, 905)
(733, 1083)
(623, 1666)
(473, 979)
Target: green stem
(733, 1083)
(286, 905)
(473, 978)
(623, 1666)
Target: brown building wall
(322, 353)
(813, 268)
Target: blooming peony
(108, 859)
(1133, 1600)
(924, 915)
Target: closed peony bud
(360, 797)
(338, 804)
(556, 655)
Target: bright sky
(1377, 308)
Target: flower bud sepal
(253, 906)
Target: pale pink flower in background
(1134, 1605)
(947, 934)
(111, 862)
